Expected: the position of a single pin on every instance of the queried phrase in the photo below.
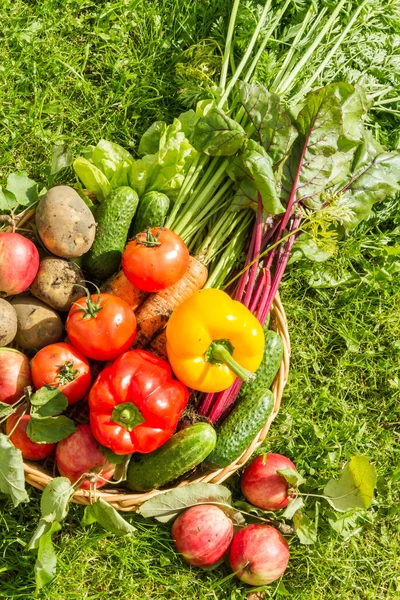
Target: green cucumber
(181, 453)
(114, 217)
(266, 372)
(153, 208)
(240, 428)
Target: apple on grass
(259, 554)
(202, 534)
(262, 486)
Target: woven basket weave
(120, 498)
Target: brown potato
(8, 323)
(65, 223)
(55, 283)
(38, 324)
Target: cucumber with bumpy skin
(254, 405)
(114, 217)
(266, 372)
(152, 210)
(181, 453)
(240, 428)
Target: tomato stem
(151, 240)
(66, 372)
(92, 308)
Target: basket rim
(122, 500)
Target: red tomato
(30, 450)
(101, 326)
(62, 366)
(154, 261)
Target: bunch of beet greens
(263, 169)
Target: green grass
(74, 71)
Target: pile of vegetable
(137, 302)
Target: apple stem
(17, 423)
(282, 527)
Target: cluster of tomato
(135, 404)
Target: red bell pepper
(135, 404)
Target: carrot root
(118, 285)
(154, 313)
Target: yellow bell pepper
(211, 339)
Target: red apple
(78, 454)
(262, 486)
(202, 534)
(259, 554)
(19, 263)
(15, 375)
(30, 450)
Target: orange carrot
(154, 313)
(159, 345)
(119, 286)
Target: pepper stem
(127, 415)
(220, 352)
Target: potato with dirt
(38, 324)
(8, 323)
(58, 283)
(65, 223)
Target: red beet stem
(258, 230)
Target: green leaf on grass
(150, 142)
(354, 488)
(24, 189)
(55, 499)
(166, 507)
(49, 430)
(281, 590)
(46, 563)
(61, 158)
(345, 524)
(92, 178)
(12, 481)
(293, 477)
(306, 530)
(103, 513)
(218, 135)
(48, 401)
(308, 248)
(294, 505)
(5, 410)
(8, 200)
(42, 528)
(375, 176)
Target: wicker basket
(120, 498)
(125, 501)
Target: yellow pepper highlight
(212, 339)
